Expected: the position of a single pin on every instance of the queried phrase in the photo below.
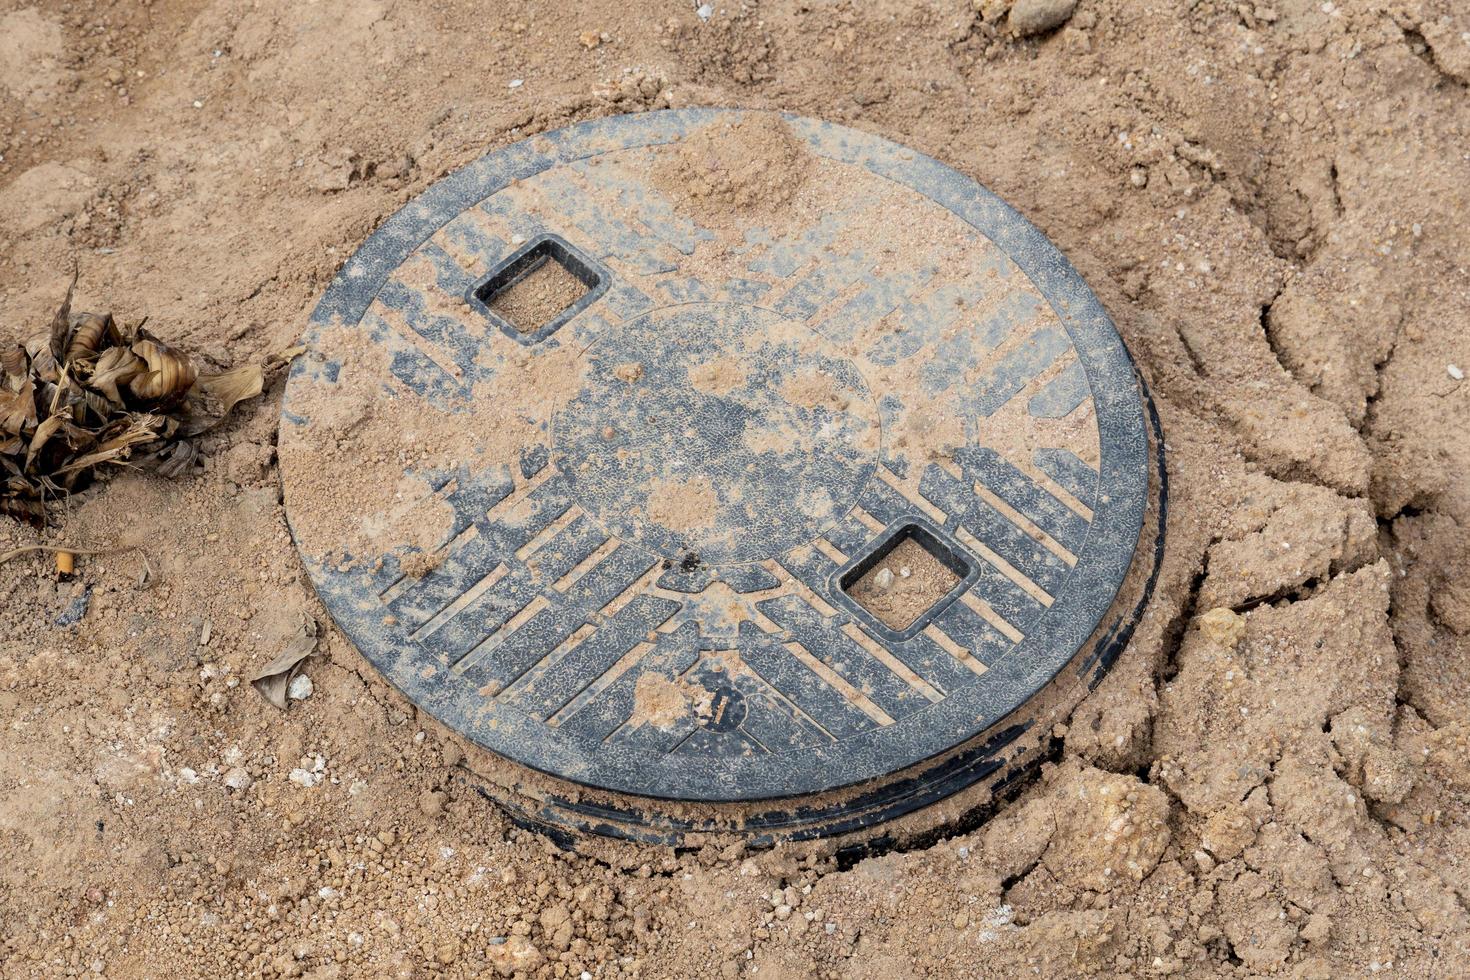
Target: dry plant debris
(273, 681)
(86, 394)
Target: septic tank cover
(714, 455)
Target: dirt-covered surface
(1270, 201)
(533, 301)
(904, 585)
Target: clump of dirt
(660, 702)
(755, 164)
(904, 584)
(683, 504)
(534, 300)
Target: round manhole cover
(702, 458)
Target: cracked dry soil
(1270, 201)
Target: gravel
(1030, 17)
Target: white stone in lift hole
(905, 572)
(883, 580)
(300, 688)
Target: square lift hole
(538, 289)
(906, 579)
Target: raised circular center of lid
(717, 432)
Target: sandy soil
(1270, 201)
(531, 302)
(904, 585)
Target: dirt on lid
(755, 164)
(903, 585)
(535, 299)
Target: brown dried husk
(91, 332)
(117, 366)
(85, 395)
(167, 373)
(13, 362)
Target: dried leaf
(288, 355)
(79, 438)
(14, 361)
(61, 323)
(91, 333)
(43, 365)
(142, 429)
(172, 461)
(43, 434)
(216, 394)
(58, 393)
(18, 408)
(46, 395)
(80, 396)
(275, 677)
(233, 387)
(117, 366)
(97, 405)
(168, 373)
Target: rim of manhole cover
(719, 456)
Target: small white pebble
(884, 579)
(305, 779)
(198, 104)
(1455, 372)
(905, 572)
(516, 83)
(300, 688)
